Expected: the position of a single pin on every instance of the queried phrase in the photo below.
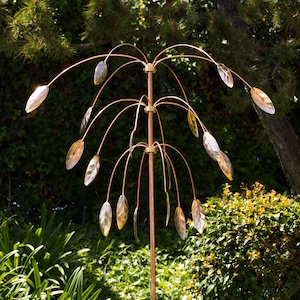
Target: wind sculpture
(151, 107)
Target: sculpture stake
(151, 147)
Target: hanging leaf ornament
(135, 231)
(225, 74)
(74, 154)
(225, 165)
(198, 215)
(105, 218)
(37, 98)
(85, 120)
(92, 170)
(100, 72)
(192, 121)
(262, 100)
(180, 223)
(168, 168)
(122, 211)
(168, 208)
(211, 145)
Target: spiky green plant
(45, 264)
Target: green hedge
(250, 248)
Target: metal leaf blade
(168, 167)
(211, 145)
(198, 215)
(105, 218)
(135, 230)
(262, 100)
(92, 170)
(85, 120)
(37, 98)
(192, 121)
(225, 74)
(180, 223)
(168, 208)
(225, 165)
(74, 154)
(100, 72)
(122, 211)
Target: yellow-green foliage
(250, 248)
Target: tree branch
(90, 45)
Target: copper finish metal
(151, 185)
(150, 107)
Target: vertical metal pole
(150, 110)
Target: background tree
(266, 35)
(40, 38)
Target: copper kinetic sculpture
(150, 106)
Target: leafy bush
(45, 264)
(250, 248)
(128, 274)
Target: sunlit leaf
(262, 100)
(37, 98)
(135, 231)
(198, 215)
(225, 74)
(122, 211)
(168, 208)
(211, 145)
(192, 121)
(85, 120)
(105, 218)
(92, 170)
(100, 72)
(180, 223)
(74, 154)
(225, 165)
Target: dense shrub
(250, 248)
(128, 274)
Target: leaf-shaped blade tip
(168, 208)
(211, 145)
(135, 224)
(100, 72)
(225, 74)
(225, 165)
(92, 170)
(180, 223)
(192, 121)
(122, 211)
(198, 215)
(37, 98)
(85, 120)
(105, 218)
(262, 100)
(74, 154)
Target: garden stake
(151, 147)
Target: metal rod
(151, 182)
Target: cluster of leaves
(32, 30)
(128, 274)
(250, 247)
(44, 262)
